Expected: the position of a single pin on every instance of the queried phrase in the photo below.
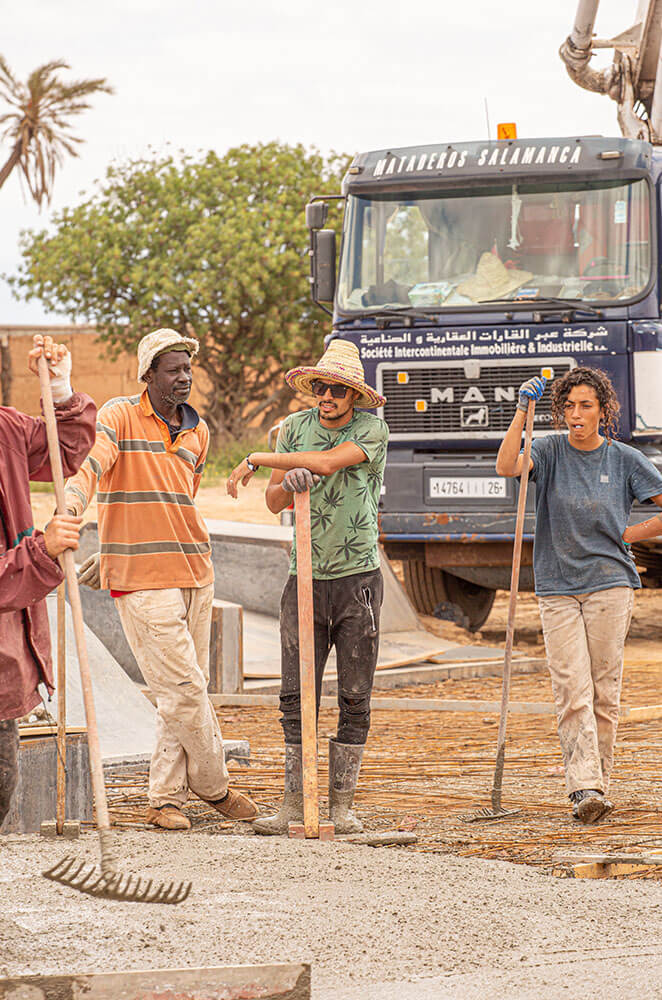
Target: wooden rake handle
(69, 566)
(61, 685)
(512, 607)
(307, 665)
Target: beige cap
(160, 341)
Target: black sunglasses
(337, 391)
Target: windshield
(577, 241)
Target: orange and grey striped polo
(151, 533)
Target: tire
(429, 586)
(425, 585)
(476, 601)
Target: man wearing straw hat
(29, 567)
(155, 558)
(337, 451)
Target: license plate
(467, 486)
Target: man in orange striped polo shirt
(146, 465)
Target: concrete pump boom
(633, 80)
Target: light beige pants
(584, 639)
(168, 632)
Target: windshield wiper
(387, 313)
(565, 305)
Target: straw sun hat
(340, 363)
(492, 280)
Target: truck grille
(466, 399)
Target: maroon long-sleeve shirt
(27, 573)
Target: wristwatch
(250, 465)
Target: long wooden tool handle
(96, 767)
(61, 685)
(311, 815)
(512, 608)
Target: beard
(175, 399)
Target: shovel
(497, 811)
(107, 883)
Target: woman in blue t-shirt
(586, 483)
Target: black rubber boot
(291, 810)
(8, 764)
(344, 767)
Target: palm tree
(38, 130)
(37, 125)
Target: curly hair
(601, 384)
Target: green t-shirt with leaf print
(343, 506)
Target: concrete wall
(35, 798)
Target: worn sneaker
(234, 805)
(168, 817)
(589, 805)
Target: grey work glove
(89, 573)
(299, 480)
(533, 389)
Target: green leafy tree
(214, 246)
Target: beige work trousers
(168, 632)
(584, 640)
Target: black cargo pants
(8, 764)
(346, 615)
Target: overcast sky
(352, 75)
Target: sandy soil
(362, 917)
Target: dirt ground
(471, 910)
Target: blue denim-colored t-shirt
(583, 502)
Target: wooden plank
(48, 730)
(606, 870)
(641, 713)
(277, 981)
(613, 858)
(311, 817)
(391, 704)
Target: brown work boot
(168, 817)
(590, 805)
(234, 805)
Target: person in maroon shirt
(29, 567)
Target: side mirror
(316, 214)
(323, 264)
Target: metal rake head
(128, 889)
(487, 813)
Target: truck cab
(465, 269)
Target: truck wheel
(475, 601)
(425, 585)
(429, 586)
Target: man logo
(474, 416)
(472, 394)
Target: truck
(466, 268)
